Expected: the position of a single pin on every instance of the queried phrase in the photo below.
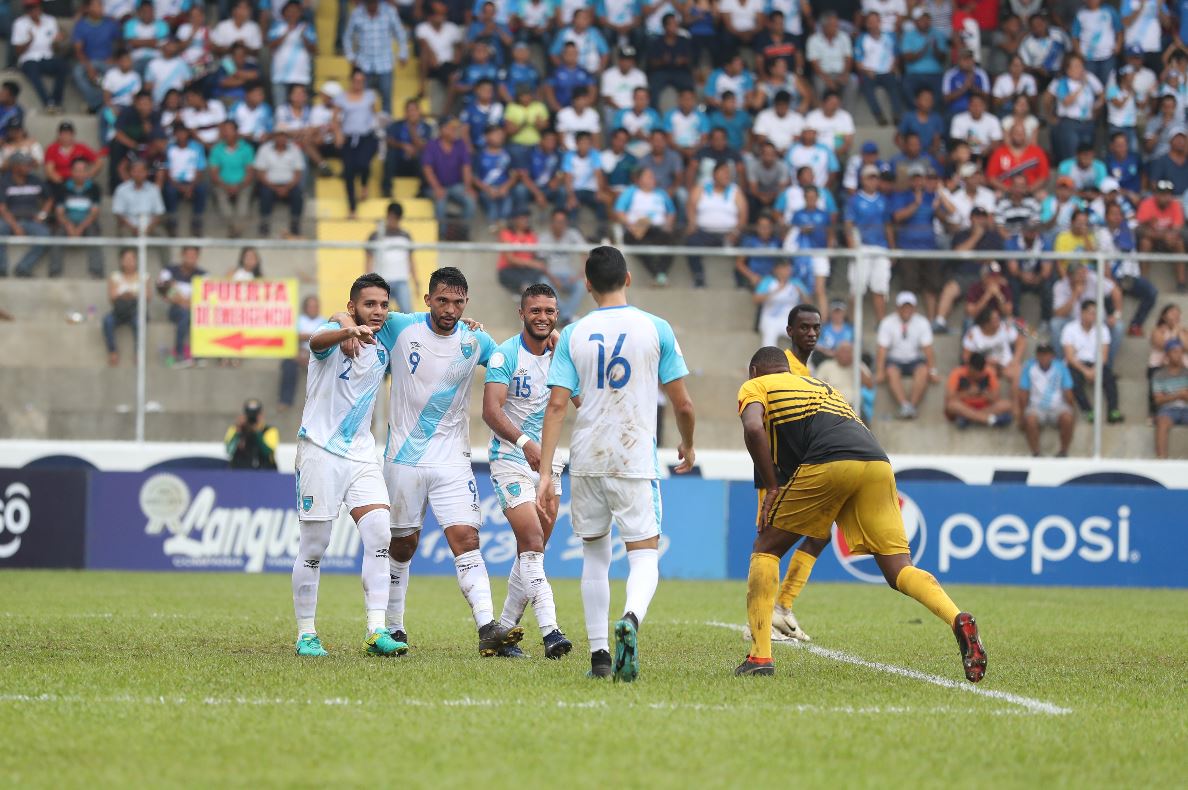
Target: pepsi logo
(863, 566)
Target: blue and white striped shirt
(367, 41)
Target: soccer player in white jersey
(427, 457)
(514, 399)
(613, 358)
(336, 464)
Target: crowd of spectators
(1018, 126)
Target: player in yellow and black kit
(802, 428)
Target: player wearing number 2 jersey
(613, 358)
(336, 463)
(427, 457)
(514, 401)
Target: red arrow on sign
(237, 341)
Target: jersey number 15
(615, 371)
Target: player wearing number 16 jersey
(613, 358)
(427, 457)
(336, 464)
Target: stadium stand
(1114, 143)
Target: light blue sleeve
(703, 123)
(1066, 381)
(558, 45)
(503, 362)
(765, 285)
(669, 206)
(834, 165)
(711, 84)
(329, 326)
(1025, 379)
(487, 347)
(562, 372)
(1076, 27)
(781, 202)
(600, 43)
(393, 326)
(858, 47)
(617, 121)
(668, 121)
(672, 361)
(623, 201)
(567, 162)
(201, 155)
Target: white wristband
(523, 440)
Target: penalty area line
(1033, 705)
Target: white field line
(1032, 705)
(470, 702)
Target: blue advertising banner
(247, 521)
(1109, 536)
(42, 518)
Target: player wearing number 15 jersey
(613, 358)
(336, 464)
(427, 457)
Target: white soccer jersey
(340, 399)
(429, 414)
(525, 375)
(613, 358)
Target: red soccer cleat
(973, 655)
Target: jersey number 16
(615, 371)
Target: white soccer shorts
(449, 490)
(326, 481)
(878, 275)
(632, 503)
(515, 484)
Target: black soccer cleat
(556, 645)
(511, 651)
(973, 655)
(751, 667)
(493, 637)
(399, 636)
(600, 664)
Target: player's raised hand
(688, 459)
(351, 347)
(769, 500)
(472, 325)
(363, 334)
(547, 502)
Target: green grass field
(151, 679)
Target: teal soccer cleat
(381, 643)
(626, 667)
(310, 645)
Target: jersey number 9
(615, 371)
(414, 359)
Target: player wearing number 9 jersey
(427, 456)
(613, 358)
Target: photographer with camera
(251, 442)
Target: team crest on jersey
(468, 347)
(513, 489)
(306, 503)
(522, 372)
(383, 356)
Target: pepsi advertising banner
(1090, 536)
(197, 520)
(42, 518)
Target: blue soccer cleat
(381, 643)
(310, 645)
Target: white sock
(397, 593)
(375, 532)
(538, 590)
(513, 606)
(307, 570)
(476, 585)
(642, 579)
(596, 560)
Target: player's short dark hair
(451, 277)
(606, 269)
(12, 87)
(395, 210)
(1087, 303)
(798, 309)
(369, 280)
(977, 361)
(769, 357)
(537, 289)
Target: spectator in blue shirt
(1172, 166)
(922, 50)
(541, 181)
(495, 34)
(868, 224)
(481, 112)
(736, 122)
(493, 178)
(1045, 397)
(923, 121)
(95, 37)
(406, 139)
(812, 228)
(566, 79)
(749, 270)
(914, 210)
(1026, 272)
(962, 81)
(836, 330)
(519, 73)
(669, 61)
(480, 68)
(1124, 166)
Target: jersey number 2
(346, 373)
(615, 371)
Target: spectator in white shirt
(441, 46)
(239, 28)
(779, 124)
(982, 130)
(1082, 341)
(34, 36)
(905, 353)
(280, 166)
(831, 53)
(999, 341)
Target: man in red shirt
(62, 153)
(1015, 157)
(1161, 224)
(517, 270)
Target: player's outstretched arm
(682, 409)
(546, 498)
(330, 338)
(758, 445)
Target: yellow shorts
(859, 495)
